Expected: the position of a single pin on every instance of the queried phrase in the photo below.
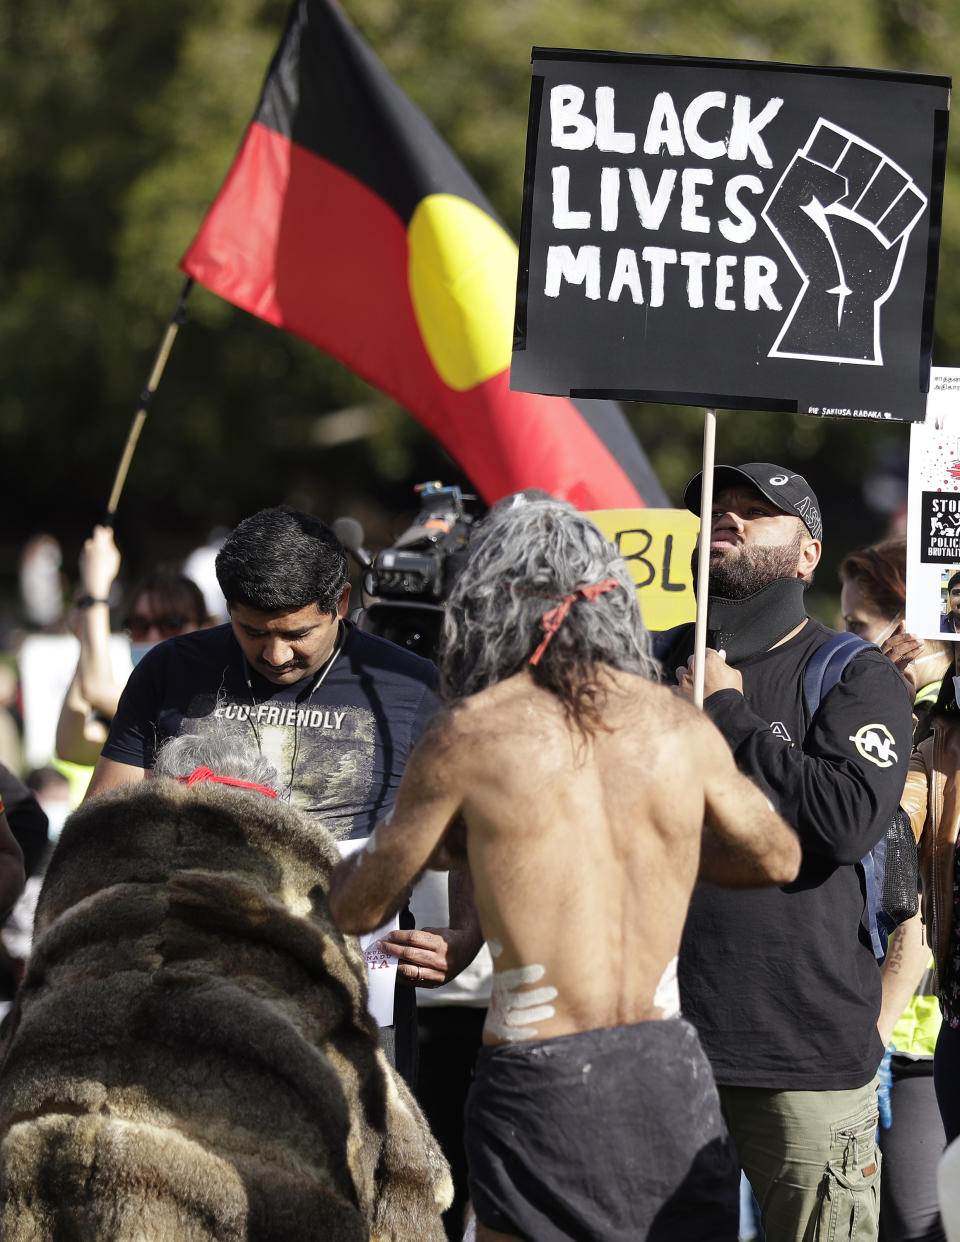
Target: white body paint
(667, 995)
(511, 1010)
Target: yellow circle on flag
(462, 269)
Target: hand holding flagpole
(160, 362)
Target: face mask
(139, 650)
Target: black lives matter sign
(728, 233)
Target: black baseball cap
(789, 492)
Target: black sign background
(845, 227)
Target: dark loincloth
(612, 1134)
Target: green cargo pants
(811, 1158)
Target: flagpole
(160, 362)
(703, 559)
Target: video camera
(404, 586)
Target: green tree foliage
(120, 123)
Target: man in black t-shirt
(336, 710)
(782, 984)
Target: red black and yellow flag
(347, 220)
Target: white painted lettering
(607, 137)
(582, 268)
(691, 120)
(273, 714)
(563, 217)
(663, 128)
(695, 261)
(745, 130)
(759, 277)
(658, 257)
(609, 198)
(690, 199)
(724, 282)
(316, 719)
(743, 225)
(570, 130)
(338, 719)
(652, 210)
(626, 275)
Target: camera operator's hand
(428, 957)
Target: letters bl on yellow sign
(658, 546)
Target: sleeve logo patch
(876, 743)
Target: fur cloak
(191, 1057)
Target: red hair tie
(205, 774)
(553, 618)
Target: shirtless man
(588, 800)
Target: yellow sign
(657, 545)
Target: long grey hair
(220, 751)
(523, 560)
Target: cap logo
(778, 480)
(809, 513)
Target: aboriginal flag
(347, 220)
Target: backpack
(890, 869)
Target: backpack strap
(825, 667)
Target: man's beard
(742, 571)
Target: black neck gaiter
(743, 627)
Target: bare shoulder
(661, 703)
(483, 715)
(664, 724)
(459, 728)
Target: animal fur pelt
(192, 1058)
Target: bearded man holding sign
(782, 985)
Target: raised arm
(371, 886)
(99, 566)
(745, 842)
(94, 692)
